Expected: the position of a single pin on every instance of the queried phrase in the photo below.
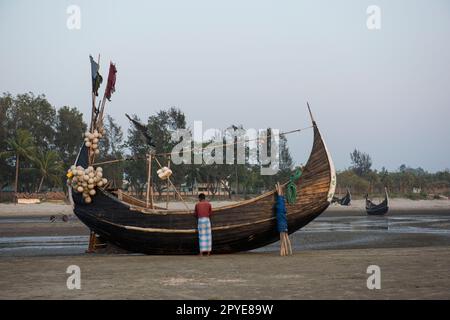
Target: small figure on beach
(280, 210)
(203, 211)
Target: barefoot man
(203, 211)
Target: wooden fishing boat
(344, 201)
(377, 209)
(243, 226)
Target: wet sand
(412, 273)
(411, 245)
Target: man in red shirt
(203, 211)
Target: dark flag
(111, 84)
(144, 131)
(96, 77)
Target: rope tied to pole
(291, 188)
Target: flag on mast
(111, 84)
(96, 77)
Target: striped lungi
(204, 234)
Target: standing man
(203, 211)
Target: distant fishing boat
(377, 209)
(344, 201)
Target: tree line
(39, 142)
(414, 183)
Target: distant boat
(378, 209)
(345, 201)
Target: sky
(385, 92)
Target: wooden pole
(16, 184)
(101, 110)
(149, 182)
(168, 179)
(168, 184)
(93, 100)
(176, 191)
(91, 127)
(310, 114)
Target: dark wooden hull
(244, 226)
(377, 209)
(345, 201)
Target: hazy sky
(256, 63)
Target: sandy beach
(411, 245)
(413, 273)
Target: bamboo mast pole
(92, 238)
(16, 183)
(93, 99)
(102, 107)
(151, 191)
(168, 184)
(149, 198)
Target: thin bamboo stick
(149, 175)
(168, 184)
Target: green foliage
(361, 162)
(349, 179)
(413, 183)
(45, 141)
(50, 167)
(112, 147)
(69, 131)
(19, 146)
(416, 196)
(35, 114)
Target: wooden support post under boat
(92, 242)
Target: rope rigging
(166, 154)
(291, 188)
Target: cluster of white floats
(164, 173)
(85, 180)
(91, 139)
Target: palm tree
(21, 145)
(49, 165)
